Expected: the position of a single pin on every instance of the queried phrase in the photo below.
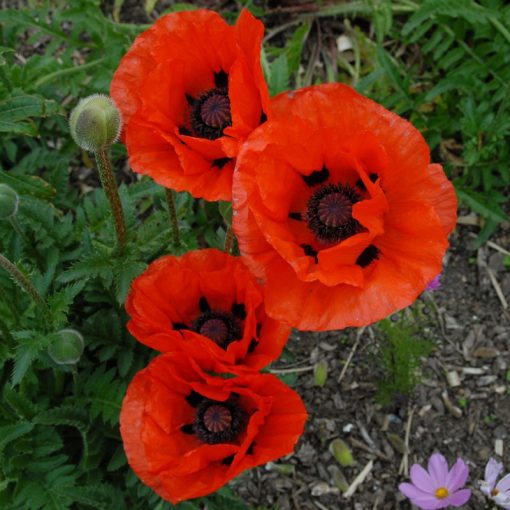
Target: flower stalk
(172, 212)
(110, 187)
(95, 124)
(23, 282)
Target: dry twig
(359, 479)
(359, 333)
(404, 465)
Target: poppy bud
(8, 202)
(67, 347)
(95, 123)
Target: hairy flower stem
(229, 239)
(110, 188)
(172, 211)
(24, 283)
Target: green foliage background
(443, 64)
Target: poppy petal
(179, 465)
(158, 87)
(164, 304)
(394, 217)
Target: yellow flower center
(442, 493)
(494, 492)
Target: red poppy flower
(186, 433)
(338, 209)
(190, 89)
(207, 304)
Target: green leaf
(31, 343)
(9, 433)
(70, 416)
(124, 273)
(16, 112)
(278, 75)
(477, 203)
(179, 7)
(28, 185)
(382, 18)
(294, 47)
(22, 406)
(61, 301)
(467, 9)
(391, 70)
(225, 209)
(118, 460)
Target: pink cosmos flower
(498, 492)
(434, 284)
(439, 487)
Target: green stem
(229, 239)
(4, 78)
(172, 212)
(359, 8)
(110, 188)
(504, 32)
(67, 71)
(23, 282)
(58, 381)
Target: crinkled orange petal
(164, 302)
(177, 465)
(407, 209)
(171, 64)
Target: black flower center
(219, 422)
(329, 213)
(221, 327)
(210, 113)
(217, 418)
(216, 329)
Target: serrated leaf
(15, 112)
(28, 348)
(96, 265)
(124, 274)
(9, 433)
(28, 185)
(118, 459)
(22, 406)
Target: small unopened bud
(95, 123)
(67, 347)
(341, 452)
(9, 200)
